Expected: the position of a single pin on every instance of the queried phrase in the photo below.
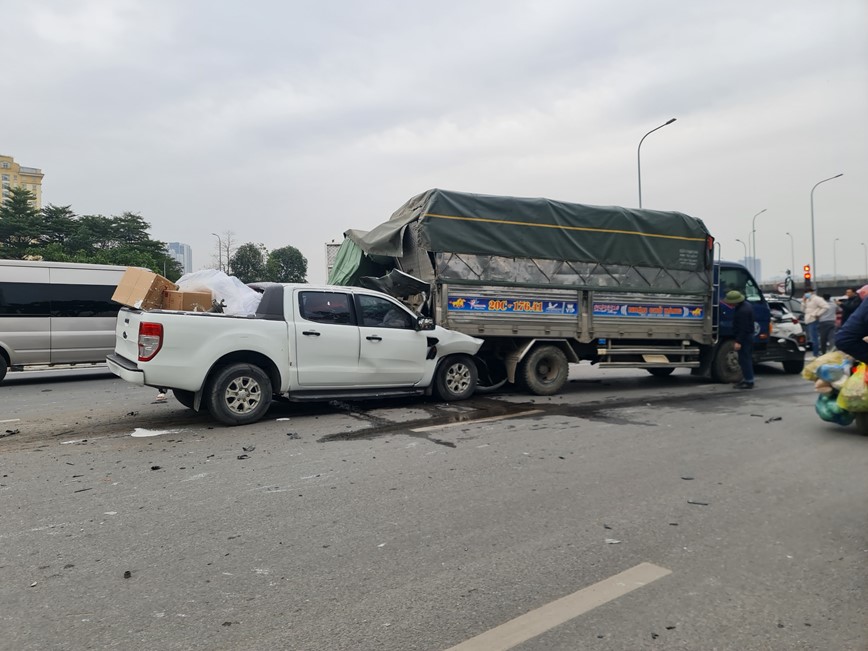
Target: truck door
(326, 340)
(392, 350)
(735, 276)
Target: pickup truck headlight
(150, 340)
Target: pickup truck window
(325, 307)
(377, 312)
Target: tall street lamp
(745, 248)
(792, 255)
(219, 251)
(835, 259)
(813, 238)
(753, 233)
(639, 155)
(866, 261)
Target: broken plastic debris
(160, 397)
(773, 419)
(687, 478)
(249, 448)
(141, 432)
(9, 432)
(612, 541)
(242, 456)
(127, 574)
(698, 503)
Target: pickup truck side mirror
(425, 323)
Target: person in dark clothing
(743, 329)
(849, 304)
(851, 337)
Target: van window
(82, 300)
(25, 299)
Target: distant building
(13, 175)
(331, 255)
(183, 254)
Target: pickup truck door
(326, 340)
(392, 350)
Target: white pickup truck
(305, 342)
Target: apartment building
(13, 175)
(183, 254)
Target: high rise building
(13, 175)
(183, 254)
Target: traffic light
(807, 270)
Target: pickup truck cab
(304, 342)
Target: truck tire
(186, 398)
(861, 422)
(544, 371)
(724, 366)
(456, 378)
(239, 394)
(793, 366)
(662, 371)
(4, 366)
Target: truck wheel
(793, 366)
(3, 367)
(724, 367)
(662, 371)
(861, 422)
(544, 371)
(186, 398)
(239, 394)
(456, 378)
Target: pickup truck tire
(544, 371)
(239, 394)
(724, 367)
(793, 366)
(186, 398)
(456, 378)
(861, 422)
(3, 367)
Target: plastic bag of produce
(829, 410)
(836, 357)
(833, 372)
(853, 396)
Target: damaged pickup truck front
(303, 343)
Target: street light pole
(835, 260)
(866, 261)
(792, 254)
(745, 248)
(219, 251)
(753, 233)
(639, 156)
(813, 238)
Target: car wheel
(724, 367)
(186, 398)
(544, 371)
(661, 371)
(793, 366)
(239, 394)
(456, 378)
(4, 366)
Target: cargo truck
(547, 283)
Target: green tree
(248, 262)
(57, 224)
(20, 223)
(286, 265)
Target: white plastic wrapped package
(238, 297)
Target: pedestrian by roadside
(849, 304)
(813, 306)
(743, 325)
(853, 336)
(826, 325)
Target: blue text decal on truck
(459, 303)
(660, 311)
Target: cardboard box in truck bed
(142, 289)
(187, 301)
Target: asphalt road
(130, 523)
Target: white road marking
(11, 420)
(536, 622)
(462, 423)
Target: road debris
(612, 541)
(293, 435)
(773, 419)
(156, 467)
(249, 448)
(697, 502)
(242, 456)
(9, 432)
(687, 478)
(127, 574)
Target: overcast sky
(289, 122)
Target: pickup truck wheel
(3, 367)
(861, 422)
(662, 371)
(239, 394)
(186, 398)
(724, 367)
(456, 378)
(544, 371)
(793, 366)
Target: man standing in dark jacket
(851, 336)
(849, 304)
(743, 329)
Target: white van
(56, 313)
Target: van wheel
(4, 366)
(186, 398)
(544, 371)
(239, 394)
(793, 366)
(724, 367)
(456, 378)
(661, 371)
